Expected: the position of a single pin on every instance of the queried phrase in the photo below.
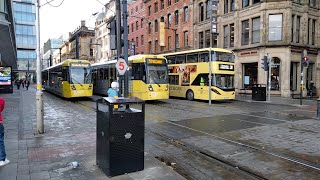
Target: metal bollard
(318, 108)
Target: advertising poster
(5, 75)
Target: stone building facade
(281, 28)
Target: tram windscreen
(223, 81)
(80, 75)
(157, 74)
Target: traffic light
(113, 35)
(265, 63)
(305, 61)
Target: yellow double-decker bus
(148, 77)
(189, 73)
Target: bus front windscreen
(223, 81)
(157, 74)
(80, 75)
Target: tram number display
(155, 61)
(79, 64)
(226, 67)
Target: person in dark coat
(22, 83)
(18, 83)
(27, 84)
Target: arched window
(156, 25)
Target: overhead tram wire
(48, 2)
(105, 6)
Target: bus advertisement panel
(5, 76)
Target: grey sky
(56, 21)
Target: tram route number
(121, 66)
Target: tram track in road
(214, 158)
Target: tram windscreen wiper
(73, 79)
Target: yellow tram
(69, 79)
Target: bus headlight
(73, 87)
(150, 88)
(167, 87)
(90, 86)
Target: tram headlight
(73, 87)
(167, 87)
(90, 86)
(217, 92)
(150, 88)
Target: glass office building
(25, 17)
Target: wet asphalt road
(191, 137)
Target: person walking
(3, 156)
(18, 83)
(27, 84)
(23, 83)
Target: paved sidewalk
(69, 137)
(279, 100)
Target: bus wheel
(190, 95)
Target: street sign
(121, 66)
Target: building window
(137, 24)
(150, 28)
(149, 10)
(141, 23)
(312, 3)
(275, 74)
(200, 39)
(232, 5)
(149, 47)
(177, 41)
(142, 40)
(245, 32)
(256, 30)
(226, 5)
(132, 27)
(169, 2)
(292, 28)
(169, 42)
(313, 32)
(156, 7)
(298, 29)
(275, 27)
(128, 27)
(176, 1)
(136, 8)
(162, 4)
(176, 15)
(245, 3)
(208, 9)
(201, 12)
(186, 15)
(185, 37)
(169, 20)
(250, 74)
(137, 41)
(256, 1)
(156, 46)
(225, 36)
(308, 34)
(156, 26)
(231, 35)
(208, 38)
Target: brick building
(178, 19)
(136, 28)
(281, 28)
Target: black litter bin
(259, 92)
(120, 135)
